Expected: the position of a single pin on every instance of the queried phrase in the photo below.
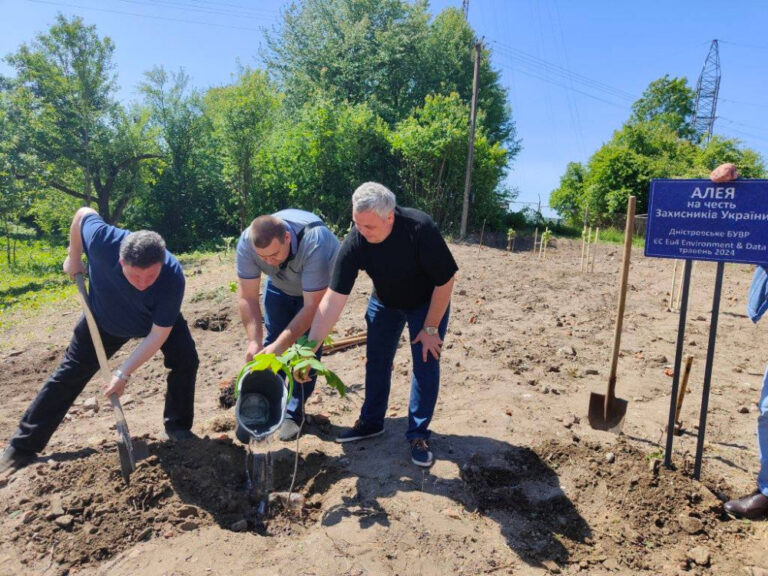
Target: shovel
(124, 444)
(606, 412)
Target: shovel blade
(611, 420)
(126, 459)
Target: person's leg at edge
(180, 357)
(51, 404)
(385, 325)
(762, 437)
(755, 505)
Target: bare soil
(521, 485)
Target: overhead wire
(572, 105)
(149, 16)
(556, 70)
(175, 5)
(541, 46)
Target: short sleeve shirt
(308, 268)
(405, 268)
(119, 308)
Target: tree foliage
(86, 145)
(353, 90)
(242, 115)
(656, 142)
(432, 147)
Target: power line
(572, 106)
(255, 15)
(229, 4)
(744, 103)
(735, 122)
(153, 17)
(741, 45)
(565, 86)
(557, 70)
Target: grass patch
(217, 295)
(616, 236)
(35, 277)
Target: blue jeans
(279, 309)
(762, 437)
(385, 325)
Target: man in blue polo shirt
(296, 252)
(136, 289)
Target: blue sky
(573, 68)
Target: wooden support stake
(344, 343)
(583, 243)
(482, 231)
(681, 394)
(594, 251)
(535, 237)
(672, 291)
(680, 292)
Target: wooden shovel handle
(628, 232)
(94, 330)
(683, 386)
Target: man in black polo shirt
(136, 289)
(413, 271)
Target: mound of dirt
(80, 512)
(658, 508)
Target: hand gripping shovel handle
(124, 445)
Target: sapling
(298, 357)
(546, 236)
(511, 239)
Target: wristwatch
(120, 375)
(430, 330)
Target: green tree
(84, 142)
(432, 146)
(182, 199)
(567, 199)
(669, 102)
(355, 50)
(316, 156)
(656, 142)
(387, 54)
(15, 196)
(447, 68)
(242, 116)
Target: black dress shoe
(14, 459)
(752, 506)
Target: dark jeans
(80, 363)
(279, 309)
(385, 325)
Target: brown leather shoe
(752, 506)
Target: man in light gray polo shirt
(296, 252)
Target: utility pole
(465, 8)
(471, 150)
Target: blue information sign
(701, 220)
